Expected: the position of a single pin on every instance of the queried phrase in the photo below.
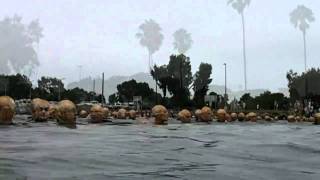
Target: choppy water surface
(177, 151)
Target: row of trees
(304, 88)
(177, 79)
(128, 89)
(180, 96)
(305, 85)
(52, 89)
(266, 101)
(174, 78)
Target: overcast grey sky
(100, 35)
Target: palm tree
(301, 17)
(182, 41)
(150, 37)
(239, 6)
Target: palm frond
(301, 17)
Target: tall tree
(179, 84)
(182, 41)
(150, 37)
(128, 89)
(51, 85)
(176, 78)
(161, 75)
(17, 86)
(296, 84)
(17, 45)
(239, 6)
(300, 18)
(201, 83)
(179, 67)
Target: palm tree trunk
(149, 62)
(156, 88)
(244, 52)
(305, 51)
(156, 76)
(305, 63)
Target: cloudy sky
(100, 36)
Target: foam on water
(177, 151)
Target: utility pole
(30, 91)
(181, 84)
(80, 71)
(59, 93)
(156, 87)
(102, 90)
(59, 88)
(94, 86)
(156, 81)
(225, 84)
(93, 90)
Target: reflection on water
(177, 151)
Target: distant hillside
(235, 94)
(110, 84)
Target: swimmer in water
(241, 117)
(40, 110)
(66, 113)
(122, 114)
(221, 113)
(197, 114)
(185, 116)
(7, 110)
(132, 114)
(252, 117)
(105, 113)
(234, 116)
(83, 114)
(160, 114)
(206, 114)
(317, 119)
(96, 114)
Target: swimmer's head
(221, 114)
(7, 110)
(206, 114)
(132, 114)
(83, 114)
(122, 114)
(160, 113)
(96, 113)
(185, 116)
(66, 112)
(40, 109)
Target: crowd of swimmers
(65, 112)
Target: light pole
(156, 81)
(5, 83)
(80, 71)
(5, 89)
(30, 90)
(59, 88)
(102, 90)
(225, 83)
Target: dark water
(177, 151)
